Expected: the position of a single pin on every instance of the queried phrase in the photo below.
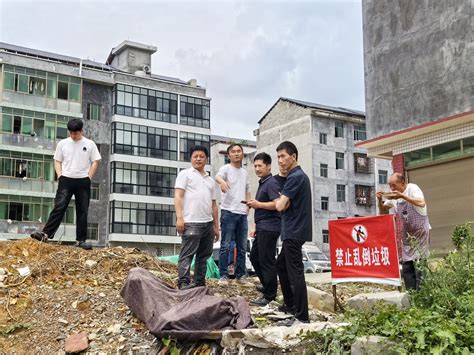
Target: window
(40, 83)
(360, 133)
(325, 234)
(23, 164)
(92, 231)
(383, 176)
(324, 203)
(194, 112)
(361, 163)
(140, 179)
(341, 193)
(339, 160)
(363, 195)
(23, 208)
(93, 112)
(323, 138)
(95, 191)
(142, 218)
(187, 140)
(323, 170)
(144, 141)
(149, 104)
(339, 130)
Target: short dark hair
(75, 125)
(267, 159)
(232, 145)
(200, 148)
(289, 147)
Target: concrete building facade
(419, 79)
(342, 176)
(143, 123)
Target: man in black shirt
(267, 228)
(296, 229)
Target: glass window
(323, 170)
(187, 140)
(8, 81)
(325, 234)
(324, 203)
(7, 124)
(468, 145)
(27, 126)
(323, 138)
(52, 88)
(93, 112)
(23, 83)
(383, 176)
(62, 90)
(95, 191)
(341, 193)
(417, 156)
(339, 130)
(74, 92)
(447, 150)
(339, 160)
(360, 133)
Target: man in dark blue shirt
(296, 229)
(267, 228)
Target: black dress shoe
(262, 301)
(285, 309)
(40, 236)
(260, 288)
(291, 321)
(84, 245)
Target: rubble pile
(49, 293)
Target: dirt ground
(63, 295)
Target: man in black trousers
(75, 160)
(267, 228)
(296, 229)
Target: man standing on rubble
(196, 218)
(410, 207)
(296, 229)
(234, 184)
(267, 228)
(75, 160)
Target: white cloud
(247, 54)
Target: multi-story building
(143, 123)
(342, 176)
(419, 102)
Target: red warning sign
(364, 249)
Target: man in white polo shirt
(75, 160)
(196, 218)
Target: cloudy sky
(246, 53)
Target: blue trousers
(233, 227)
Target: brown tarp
(188, 314)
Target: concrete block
(367, 301)
(368, 345)
(320, 300)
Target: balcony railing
(21, 140)
(27, 185)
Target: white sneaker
(223, 281)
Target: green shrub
(440, 321)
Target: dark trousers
(262, 257)
(291, 274)
(197, 239)
(81, 189)
(411, 275)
